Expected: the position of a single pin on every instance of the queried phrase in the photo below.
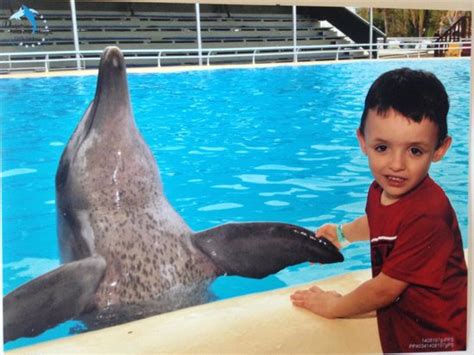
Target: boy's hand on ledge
(316, 300)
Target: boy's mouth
(395, 181)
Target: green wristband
(340, 233)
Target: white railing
(43, 61)
(410, 39)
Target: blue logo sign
(29, 27)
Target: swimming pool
(232, 145)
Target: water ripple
(279, 168)
(231, 187)
(15, 172)
(276, 203)
(220, 207)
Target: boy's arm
(353, 231)
(356, 230)
(371, 295)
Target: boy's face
(400, 151)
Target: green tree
(412, 23)
(417, 21)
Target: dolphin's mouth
(112, 71)
(112, 58)
(111, 101)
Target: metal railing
(63, 60)
(459, 31)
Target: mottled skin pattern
(110, 202)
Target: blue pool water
(274, 144)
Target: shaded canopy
(388, 4)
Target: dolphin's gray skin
(121, 241)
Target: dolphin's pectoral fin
(260, 249)
(52, 298)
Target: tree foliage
(412, 23)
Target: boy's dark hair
(415, 94)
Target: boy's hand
(316, 300)
(329, 232)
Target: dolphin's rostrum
(121, 241)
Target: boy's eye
(416, 151)
(380, 148)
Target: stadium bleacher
(133, 26)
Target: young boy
(419, 284)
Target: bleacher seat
(168, 26)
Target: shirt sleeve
(421, 252)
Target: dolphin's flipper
(259, 249)
(52, 298)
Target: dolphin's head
(18, 15)
(106, 161)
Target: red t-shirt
(417, 240)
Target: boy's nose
(397, 163)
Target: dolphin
(122, 244)
(30, 15)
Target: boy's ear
(361, 139)
(442, 149)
